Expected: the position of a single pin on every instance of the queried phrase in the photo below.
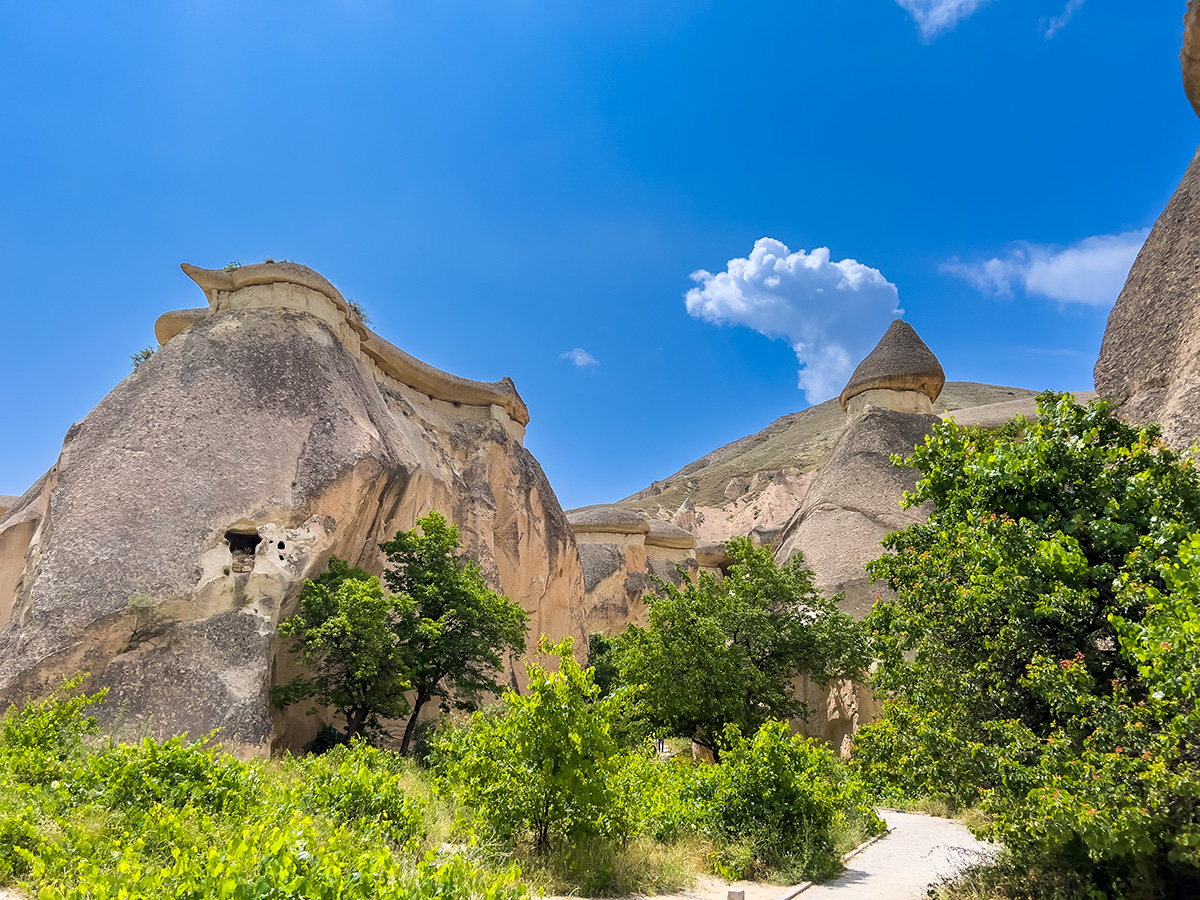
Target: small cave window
(241, 544)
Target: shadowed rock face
(186, 510)
(1149, 363)
(854, 503)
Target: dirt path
(917, 852)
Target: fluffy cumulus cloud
(935, 16)
(1090, 272)
(580, 357)
(832, 313)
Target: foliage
(725, 652)
(1031, 533)
(141, 356)
(542, 763)
(1043, 652)
(781, 794)
(345, 632)
(178, 819)
(1116, 783)
(356, 310)
(455, 631)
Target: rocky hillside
(781, 454)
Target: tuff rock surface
(186, 510)
(1149, 363)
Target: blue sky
(532, 189)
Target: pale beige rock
(899, 362)
(607, 520)
(993, 415)
(293, 286)
(668, 536)
(259, 421)
(177, 321)
(900, 401)
(713, 555)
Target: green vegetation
(460, 631)
(346, 633)
(1041, 658)
(85, 817)
(537, 779)
(725, 653)
(141, 356)
(438, 633)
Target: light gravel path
(920, 851)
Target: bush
(540, 764)
(180, 819)
(777, 798)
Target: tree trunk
(411, 727)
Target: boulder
(184, 513)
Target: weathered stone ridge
(622, 553)
(186, 510)
(1149, 363)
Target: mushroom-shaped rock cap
(666, 534)
(606, 520)
(899, 362)
(713, 555)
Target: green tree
(541, 764)
(718, 653)
(1114, 786)
(1033, 532)
(456, 632)
(345, 632)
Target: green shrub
(777, 797)
(540, 764)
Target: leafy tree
(542, 763)
(346, 633)
(1114, 787)
(456, 632)
(1033, 532)
(718, 653)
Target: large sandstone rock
(1149, 363)
(623, 553)
(854, 503)
(899, 366)
(186, 510)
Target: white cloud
(580, 357)
(1058, 22)
(1090, 272)
(935, 16)
(832, 313)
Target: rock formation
(622, 553)
(271, 430)
(900, 374)
(1149, 363)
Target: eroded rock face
(186, 510)
(854, 502)
(622, 554)
(1149, 363)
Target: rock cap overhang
(391, 359)
(713, 555)
(669, 536)
(900, 362)
(606, 520)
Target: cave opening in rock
(241, 543)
